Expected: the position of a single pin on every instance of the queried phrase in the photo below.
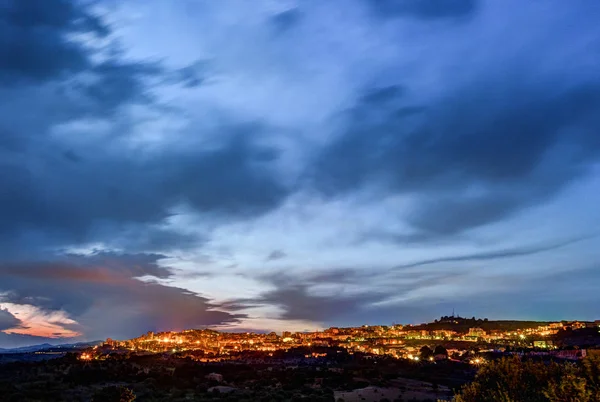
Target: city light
(400, 342)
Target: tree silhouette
(426, 352)
(440, 350)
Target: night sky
(281, 164)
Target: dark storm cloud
(35, 43)
(65, 199)
(118, 83)
(50, 70)
(8, 320)
(134, 265)
(93, 291)
(102, 192)
(94, 190)
(294, 295)
(49, 190)
(233, 178)
(472, 157)
(299, 298)
(424, 9)
(24, 281)
(298, 303)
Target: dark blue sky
(295, 164)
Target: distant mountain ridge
(47, 346)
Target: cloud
(37, 322)
(116, 83)
(496, 254)
(286, 20)
(340, 297)
(74, 175)
(48, 72)
(193, 75)
(276, 255)
(8, 320)
(92, 290)
(106, 191)
(234, 176)
(82, 173)
(465, 166)
(298, 298)
(426, 126)
(425, 9)
(37, 43)
(412, 291)
(298, 303)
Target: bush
(514, 380)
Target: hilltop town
(455, 335)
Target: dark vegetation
(516, 380)
(291, 376)
(173, 378)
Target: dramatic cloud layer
(91, 289)
(294, 164)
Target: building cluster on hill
(458, 335)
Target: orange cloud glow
(37, 322)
